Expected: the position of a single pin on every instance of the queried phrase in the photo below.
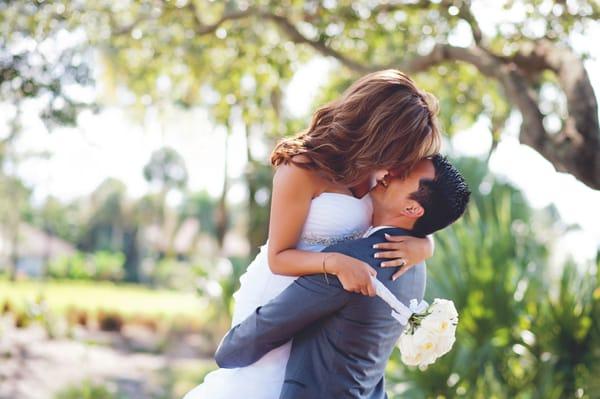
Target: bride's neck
(361, 189)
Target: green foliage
(175, 274)
(168, 51)
(109, 218)
(101, 265)
(202, 207)
(73, 267)
(167, 169)
(29, 71)
(108, 265)
(35, 311)
(180, 379)
(88, 390)
(521, 334)
(57, 218)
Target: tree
(39, 61)
(202, 44)
(166, 168)
(167, 171)
(14, 197)
(36, 62)
(105, 223)
(112, 223)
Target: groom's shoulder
(352, 247)
(359, 246)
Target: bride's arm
(293, 191)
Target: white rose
(425, 343)
(444, 344)
(438, 324)
(443, 307)
(409, 353)
(416, 350)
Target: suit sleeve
(306, 301)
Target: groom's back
(344, 356)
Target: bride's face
(395, 194)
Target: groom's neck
(394, 220)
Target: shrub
(151, 323)
(101, 265)
(22, 319)
(7, 307)
(77, 317)
(110, 321)
(87, 390)
(70, 267)
(108, 265)
(175, 274)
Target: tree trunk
(221, 216)
(257, 225)
(14, 252)
(132, 254)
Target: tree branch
(464, 11)
(297, 37)
(576, 149)
(202, 29)
(577, 146)
(286, 26)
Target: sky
(113, 144)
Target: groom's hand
(355, 275)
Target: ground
(163, 349)
(35, 367)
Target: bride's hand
(355, 275)
(404, 251)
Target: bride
(320, 187)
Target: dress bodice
(335, 217)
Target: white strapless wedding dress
(332, 218)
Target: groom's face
(396, 196)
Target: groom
(342, 340)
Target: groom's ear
(413, 209)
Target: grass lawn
(127, 299)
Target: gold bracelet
(325, 270)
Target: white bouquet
(429, 334)
(430, 329)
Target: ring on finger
(402, 262)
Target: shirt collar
(373, 229)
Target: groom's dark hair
(444, 198)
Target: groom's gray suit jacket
(342, 340)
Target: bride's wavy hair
(382, 121)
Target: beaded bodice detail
(335, 217)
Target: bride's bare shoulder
(300, 179)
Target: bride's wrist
(330, 263)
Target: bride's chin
(377, 190)
(373, 182)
